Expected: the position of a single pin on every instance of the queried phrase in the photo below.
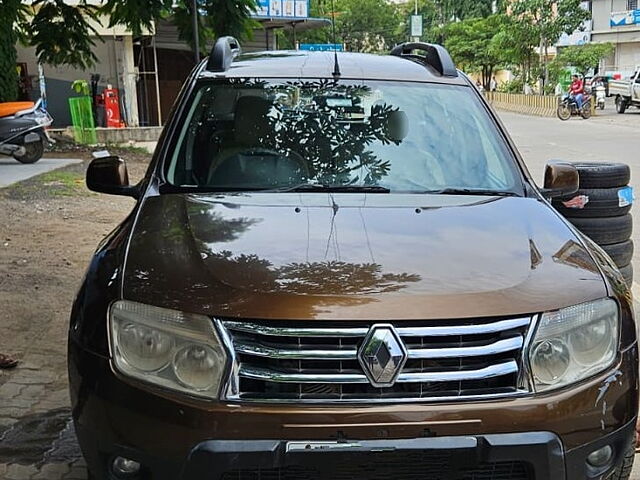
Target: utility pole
(196, 36)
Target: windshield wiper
(322, 187)
(472, 191)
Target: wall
(115, 66)
(626, 56)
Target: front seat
(250, 161)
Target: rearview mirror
(109, 175)
(560, 178)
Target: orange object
(9, 108)
(111, 107)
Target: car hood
(356, 256)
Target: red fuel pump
(112, 107)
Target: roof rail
(435, 56)
(223, 53)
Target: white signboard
(275, 8)
(416, 25)
(282, 8)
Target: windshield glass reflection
(259, 135)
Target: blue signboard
(619, 19)
(282, 8)
(263, 8)
(321, 47)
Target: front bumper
(175, 438)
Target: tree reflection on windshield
(257, 134)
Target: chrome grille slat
(251, 327)
(500, 346)
(446, 376)
(293, 377)
(449, 330)
(252, 348)
(282, 361)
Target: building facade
(148, 70)
(618, 22)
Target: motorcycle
(567, 106)
(22, 131)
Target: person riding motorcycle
(576, 90)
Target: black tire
(33, 153)
(627, 273)
(620, 253)
(585, 111)
(605, 230)
(603, 202)
(621, 104)
(623, 470)
(563, 111)
(603, 174)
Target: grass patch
(122, 149)
(63, 182)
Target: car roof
(356, 66)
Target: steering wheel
(235, 153)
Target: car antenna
(336, 67)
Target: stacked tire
(600, 209)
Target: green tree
(62, 33)
(549, 19)
(584, 57)
(517, 41)
(362, 25)
(473, 46)
(456, 10)
(426, 8)
(9, 14)
(368, 25)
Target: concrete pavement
(12, 171)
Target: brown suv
(339, 267)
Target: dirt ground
(51, 224)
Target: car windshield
(378, 136)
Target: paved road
(12, 171)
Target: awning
(290, 23)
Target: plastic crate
(84, 129)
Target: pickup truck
(626, 92)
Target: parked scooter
(22, 131)
(601, 95)
(600, 91)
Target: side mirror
(109, 175)
(560, 178)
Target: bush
(512, 86)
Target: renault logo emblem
(382, 355)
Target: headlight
(176, 350)
(574, 343)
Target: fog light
(600, 457)
(124, 467)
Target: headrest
(251, 121)
(397, 126)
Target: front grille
(385, 466)
(318, 361)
